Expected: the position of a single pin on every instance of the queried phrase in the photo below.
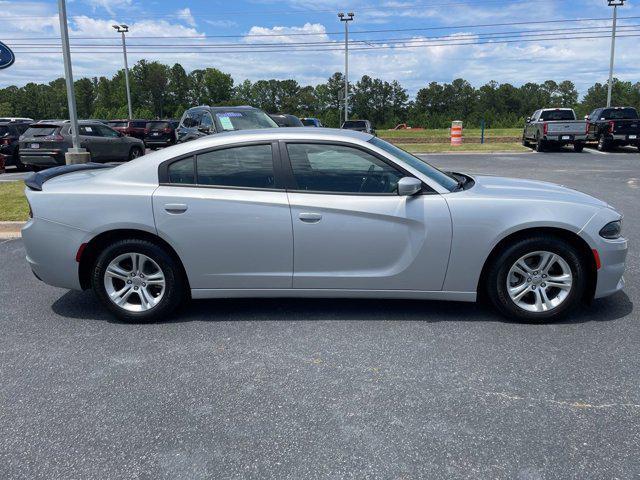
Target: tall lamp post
(615, 4)
(76, 154)
(122, 29)
(346, 19)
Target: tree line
(163, 91)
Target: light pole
(615, 4)
(74, 154)
(346, 19)
(122, 29)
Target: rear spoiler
(37, 179)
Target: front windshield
(423, 167)
(243, 120)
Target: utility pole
(122, 29)
(74, 154)
(346, 19)
(615, 4)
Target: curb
(9, 230)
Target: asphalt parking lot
(328, 389)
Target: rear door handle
(309, 217)
(175, 208)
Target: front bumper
(613, 254)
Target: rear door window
(249, 166)
(182, 171)
(105, 131)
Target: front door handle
(309, 217)
(175, 208)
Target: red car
(130, 128)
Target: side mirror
(586, 117)
(409, 186)
(528, 120)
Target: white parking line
(597, 152)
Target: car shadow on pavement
(83, 305)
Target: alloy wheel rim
(539, 281)
(134, 282)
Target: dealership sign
(6, 56)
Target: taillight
(586, 128)
(612, 125)
(5, 141)
(545, 128)
(167, 130)
(146, 131)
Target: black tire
(578, 147)
(175, 285)
(603, 144)
(496, 279)
(525, 143)
(135, 152)
(540, 144)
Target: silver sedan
(313, 212)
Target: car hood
(517, 188)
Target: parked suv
(130, 128)
(44, 144)
(160, 133)
(614, 126)
(359, 126)
(286, 120)
(10, 132)
(554, 127)
(205, 120)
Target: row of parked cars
(609, 127)
(37, 145)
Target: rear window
(552, 115)
(117, 124)
(246, 120)
(138, 124)
(619, 114)
(41, 131)
(308, 122)
(158, 125)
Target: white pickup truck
(554, 127)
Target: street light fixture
(122, 29)
(615, 4)
(346, 19)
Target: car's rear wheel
(137, 281)
(603, 144)
(540, 144)
(135, 152)
(537, 279)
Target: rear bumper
(626, 139)
(158, 141)
(44, 158)
(559, 138)
(51, 252)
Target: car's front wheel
(537, 279)
(137, 280)
(578, 147)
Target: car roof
(225, 109)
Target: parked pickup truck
(554, 127)
(613, 126)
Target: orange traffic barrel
(456, 132)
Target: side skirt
(199, 293)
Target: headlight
(612, 230)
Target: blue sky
(447, 40)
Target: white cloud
(109, 6)
(186, 16)
(221, 23)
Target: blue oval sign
(6, 56)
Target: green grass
(469, 147)
(444, 133)
(13, 204)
